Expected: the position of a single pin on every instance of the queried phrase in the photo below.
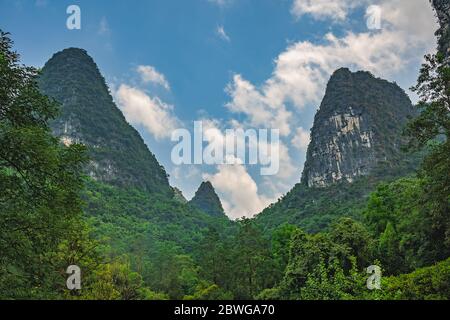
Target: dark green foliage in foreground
(157, 233)
(397, 216)
(432, 128)
(315, 209)
(40, 183)
(429, 283)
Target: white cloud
(238, 191)
(185, 172)
(261, 112)
(103, 28)
(301, 139)
(320, 9)
(222, 34)
(141, 109)
(150, 74)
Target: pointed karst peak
(118, 155)
(345, 74)
(357, 128)
(206, 185)
(207, 200)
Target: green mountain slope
(206, 199)
(118, 154)
(135, 214)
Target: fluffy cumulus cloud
(321, 9)
(139, 108)
(236, 187)
(302, 70)
(239, 191)
(150, 75)
(301, 139)
(260, 110)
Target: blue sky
(246, 63)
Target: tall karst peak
(207, 200)
(118, 154)
(357, 128)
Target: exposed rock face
(207, 200)
(118, 154)
(442, 8)
(357, 127)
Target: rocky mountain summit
(118, 154)
(357, 128)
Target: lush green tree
(329, 281)
(281, 239)
(396, 218)
(428, 283)
(40, 181)
(205, 291)
(432, 128)
(326, 265)
(354, 240)
(214, 256)
(116, 281)
(254, 268)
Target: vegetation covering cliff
(357, 128)
(118, 155)
(134, 244)
(206, 199)
(357, 141)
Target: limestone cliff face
(442, 8)
(118, 155)
(357, 127)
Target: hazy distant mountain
(207, 200)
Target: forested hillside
(206, 199)
(80, 187)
